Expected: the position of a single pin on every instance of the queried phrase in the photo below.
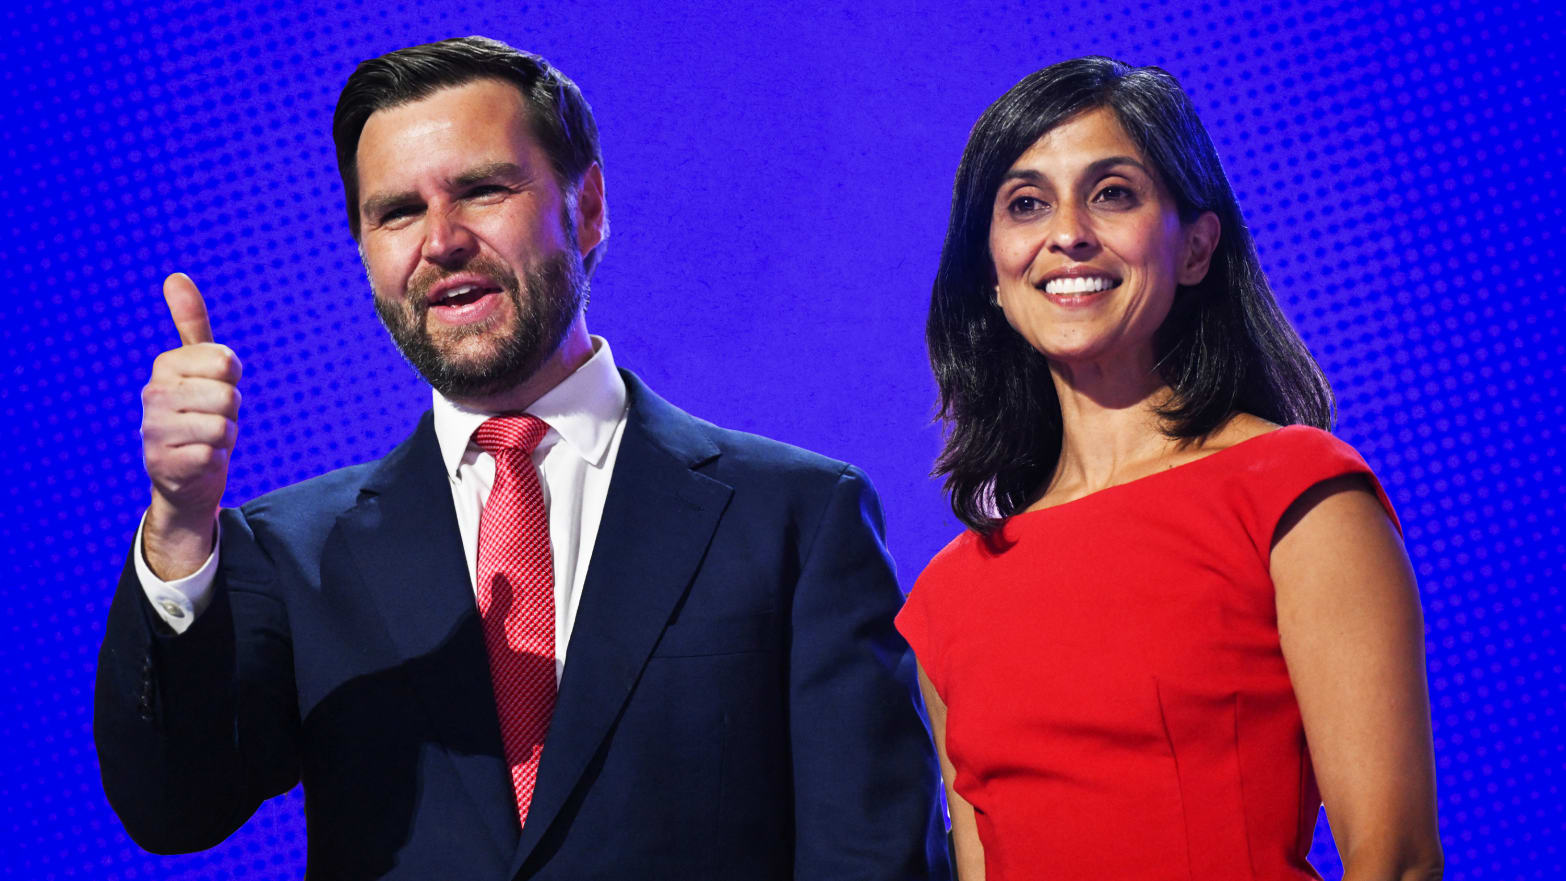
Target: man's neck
(574, 351)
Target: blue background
(778, 185)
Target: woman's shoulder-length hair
(1225, 346)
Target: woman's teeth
(1088, 285)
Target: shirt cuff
(178, 602)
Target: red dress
(1117, 702)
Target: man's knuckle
(155, 398)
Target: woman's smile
(1087, 245)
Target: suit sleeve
(177, 602)
(865, 777)
(194, 730)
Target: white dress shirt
(586, 418)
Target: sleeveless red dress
(1117, 702)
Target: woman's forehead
(1081, 141)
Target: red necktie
(516, 597)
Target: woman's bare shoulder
(1239, 428)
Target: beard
(543, 304)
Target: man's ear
(1201, 240)
(592, 212)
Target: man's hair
(560, 117)
(1224, 347)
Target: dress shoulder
(927, 615)
(1271, 471)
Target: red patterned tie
(516, 596)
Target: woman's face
(1088, 246)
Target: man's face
(472, 253)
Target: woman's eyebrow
(1096, 167)
(1102, 165)
(1026, 174)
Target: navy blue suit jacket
(735, 702)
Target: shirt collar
(584, 410)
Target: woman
(1163, 596)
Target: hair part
(560, 117)
(1225, 346)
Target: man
(564, 630)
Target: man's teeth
(1089, 285)
(459, 291)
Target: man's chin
(479, 368)
(468, 386)
(474, 380)
(469, 351)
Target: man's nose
(446, 240)
(1070, 233)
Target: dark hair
(562, 121)
(1225, 346)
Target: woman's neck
(1111, 431)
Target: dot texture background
(778, 185)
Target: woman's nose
(1069, 232)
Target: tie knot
(521, 433)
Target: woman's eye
(1023, 206)
(1114, 194)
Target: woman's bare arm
(1353, 638)
(969, 853)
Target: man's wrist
(176, 543)
(179, 601)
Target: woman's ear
(1201, 240)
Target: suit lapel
(404, 540)
(658, 520)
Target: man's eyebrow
(488, 171)
(378, 204)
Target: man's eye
(397, 214)
(485, 190)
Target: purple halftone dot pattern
(778, 184)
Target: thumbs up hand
(189, 413)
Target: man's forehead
(476, 103)
(418, 127)
(449, 132)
